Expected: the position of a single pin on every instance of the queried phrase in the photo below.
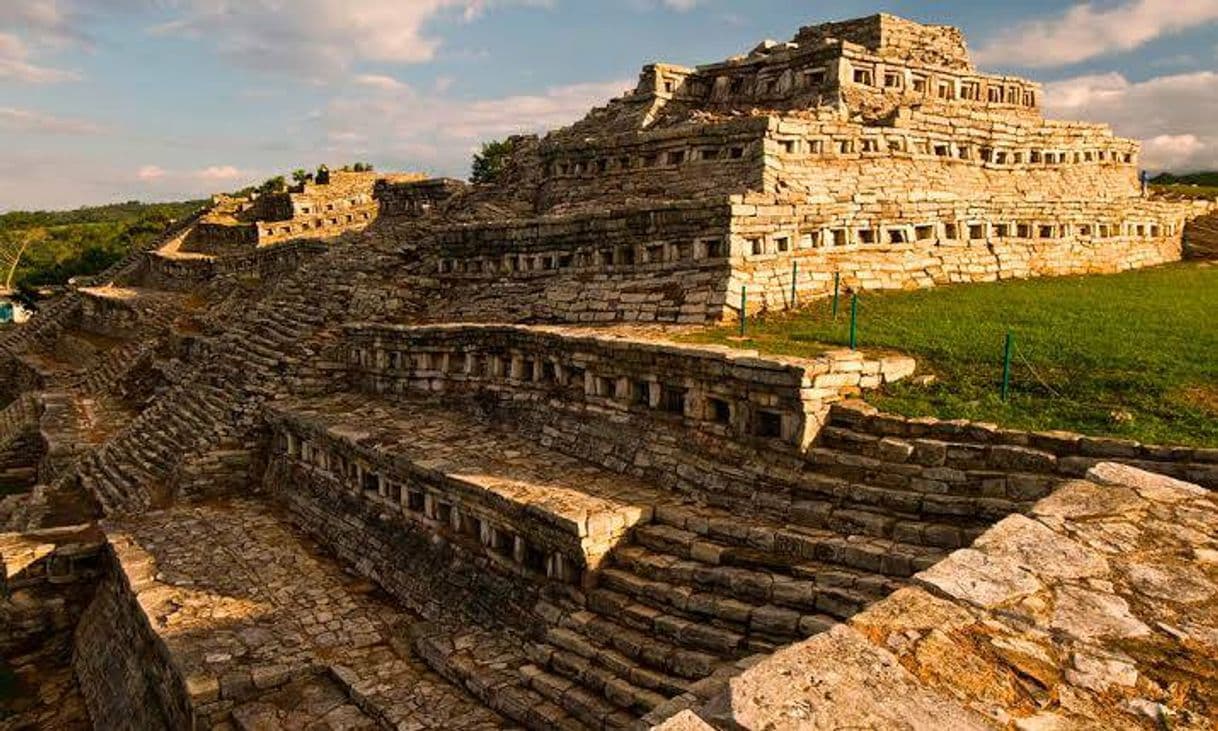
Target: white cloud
(1173, 115)
(377, 81)
(321, 38)
(681, 6)
(150, 172)
(220, 172)
(439, 132)
(15, 64)
(1088, 30)
(28, 121)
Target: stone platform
(255, 627)
(460, 469)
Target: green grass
(1133, 355)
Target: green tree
(300, 176)
(491, 161)
(273, 185)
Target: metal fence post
(1007, 353)
(854, 321)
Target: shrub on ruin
(276, 184)
(491, 161)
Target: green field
(1131, 355)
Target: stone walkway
(260, 624)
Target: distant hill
(1206, 179)
(83, 241)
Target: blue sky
(104, 100)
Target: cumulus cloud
(377, 81)
(1089, 30)
(220, 172)
(15, 64)
(150, 172)
(321, 38)
(13, 119)
(1172, 115)
(438, 131)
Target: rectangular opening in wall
(655, 253)
(372, 482)
(676, 158)
(606, 387)
(943, 150)
(816, 147)
(925, 232)
(477, 366)
(897, 236)
(565, 261)
(394, 492)
(736, 153)
(863, 77)
(845, 147)
(549, 372)
(414, 501)
(472, 526)
(951, 231)
(947, 90)
(919, 83)
(623, 163)
(894, 80)
(718, 410)
(604, 257)
(527, 369)
(814, 77)
(534, 559)
(444, 513)
(503, 542)
(782, 244)
(788, 146)
(710, 153)
(1024, 230)
(1084, 230)
(626, 255)
(640, 393)
(685, 251)
(1046, 232)
(651, 161)
(976, 231)
(866, 236)
(870, 144)
(1002, 230)
(768, 425)
(602, 166)
(714, 248)
(994, 95)
(840, 237)
(576, 378)
(672, 399)
(809, 240)
(756, 247)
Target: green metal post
(743, 311)
(837, 289)
(854, 322)
(794, 279)
(1008, 351)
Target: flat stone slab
(1097, 610)
(259, 623)
(587, 501)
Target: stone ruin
(444, 467)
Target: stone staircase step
(593, 710)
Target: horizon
(139, 100)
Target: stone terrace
(259, 628)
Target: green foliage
(85, 241)
(491, 161)
(1128, 355)
(301, 176)
(276, 184)
(1208, 179)
(362, 167)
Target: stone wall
(723, 425)
(186, 273)
(930, 452)
(415, 198)
(125, 673)
(48, 579)
(1076, 615)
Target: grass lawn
(1132, 355)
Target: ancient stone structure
(426, 470)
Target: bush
(491, 162)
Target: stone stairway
(1201, 237)
(681, 608)
(17, 419)
(259, 357)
